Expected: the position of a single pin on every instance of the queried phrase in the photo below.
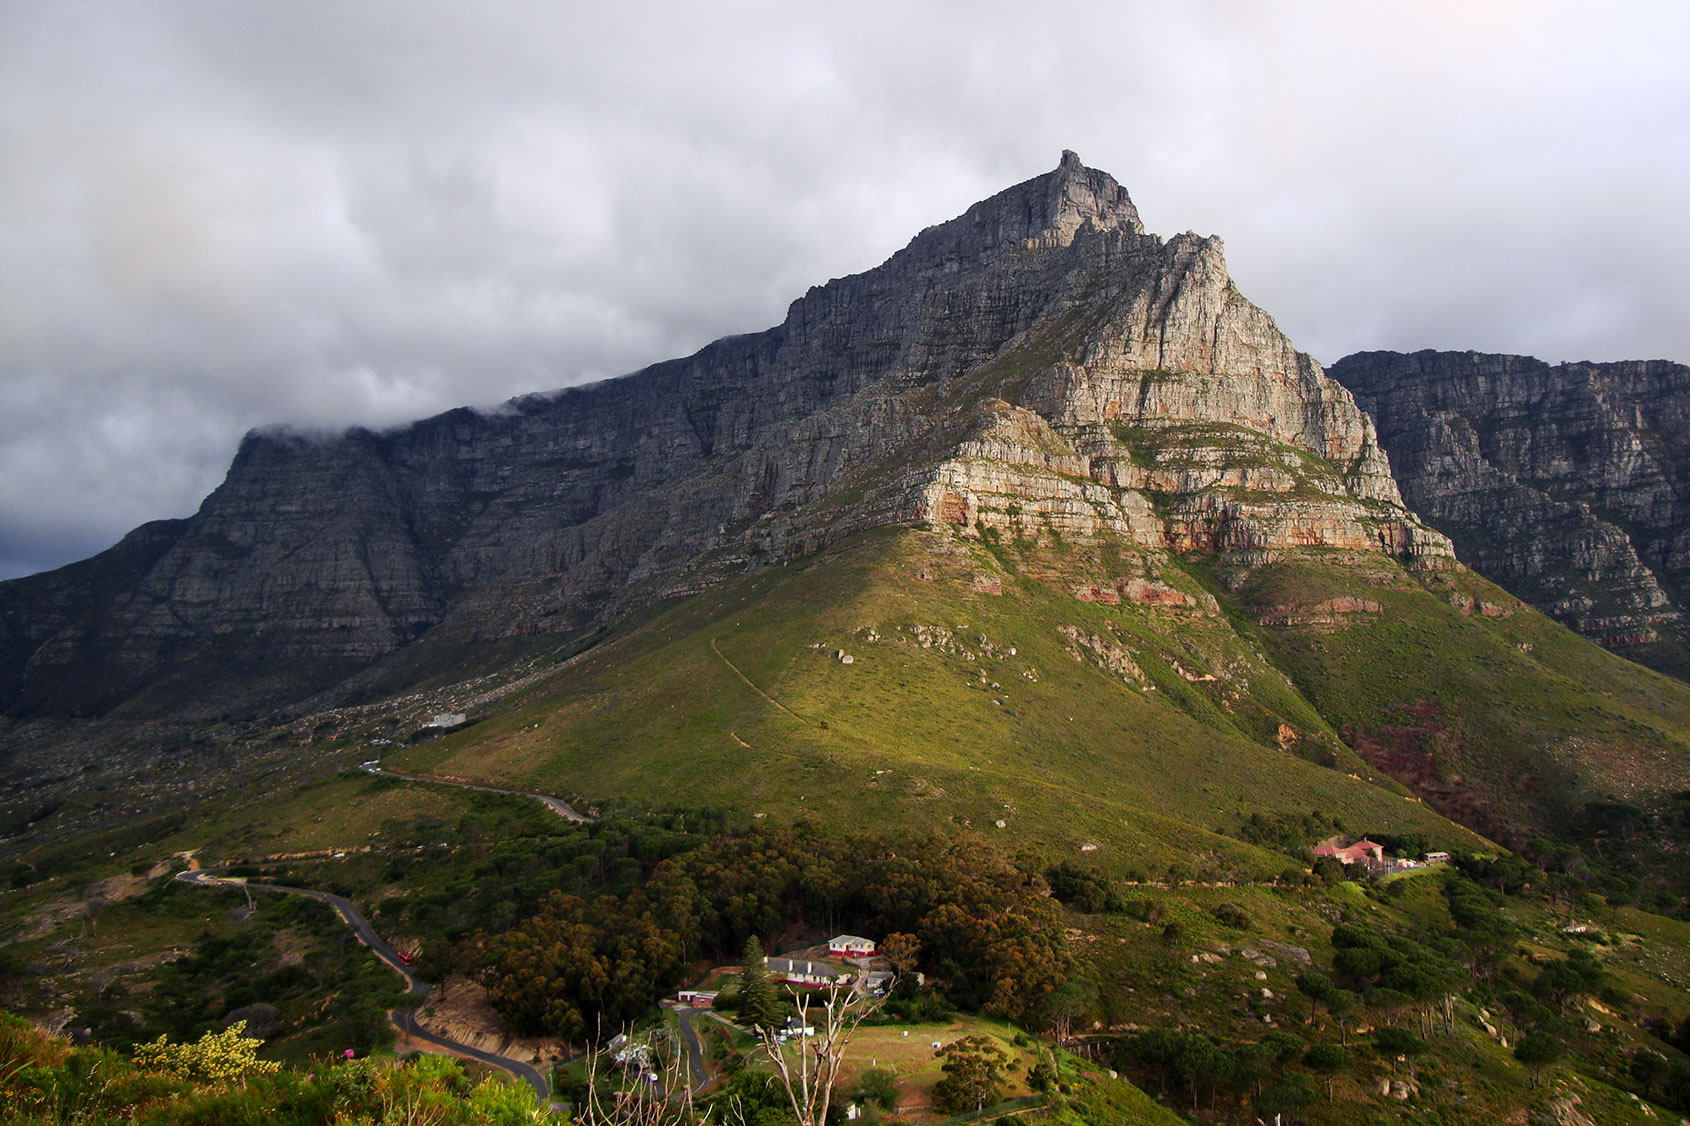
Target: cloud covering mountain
(221, 216)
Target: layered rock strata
(1569, 485)
(1039, 365)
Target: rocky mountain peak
(1081, 195)
(1143, 399)
(1046, 212)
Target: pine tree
(759, 1006)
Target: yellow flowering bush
(213, 1058)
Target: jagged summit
(1080, 195)
(1047, 211)
(1037, 366)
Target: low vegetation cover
(1461, 990)
(219, 1079)
(1091, 830)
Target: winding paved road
(405, 1018)
(695, 1050)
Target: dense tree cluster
(500, 863)
(984, 926)
(1203, 1066)
(579, 963)
(1291, 833)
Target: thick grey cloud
(219, 215)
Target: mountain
(1112, 559)
(1014, 357)
(1569, 485)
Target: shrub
(878, 1086)
(1232, 915)
(214, 1057)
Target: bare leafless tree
(810, 1069)
(652, 1089)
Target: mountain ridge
(556, 513)
(1036, 423)
(1567, 483)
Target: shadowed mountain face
(1569, 485)
(1040, 517)
(1038, 364)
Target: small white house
(851, 946)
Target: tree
(1649, 1068)
(902, 950)
(1283, 1048)
(1339, 1002)
(759, 1005)
(1285, 1097)
(1247, 1066)
(435, 962)
(1562, 980)
(1329, 1060)
(1388, 1003)
(751, 1098)
(810, 1069)
(1155, 1048)
(1395, 1043)
(1197, 1060)
(1073, 998)
(974, 1069)
(1537, 1050)
(1328, 869)
(878, 1086)
(1316, 987)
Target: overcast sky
(217, 215)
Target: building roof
(807, 969)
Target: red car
(408, 959)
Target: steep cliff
(1569, 485)
(1039, 366)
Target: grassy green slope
(737, 696)
(1508, 722)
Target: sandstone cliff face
(1039, 364)
(1569, 485)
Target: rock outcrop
(1569, 485)
(1039, 366)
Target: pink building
(1364, 851)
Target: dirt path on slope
(754, 687)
